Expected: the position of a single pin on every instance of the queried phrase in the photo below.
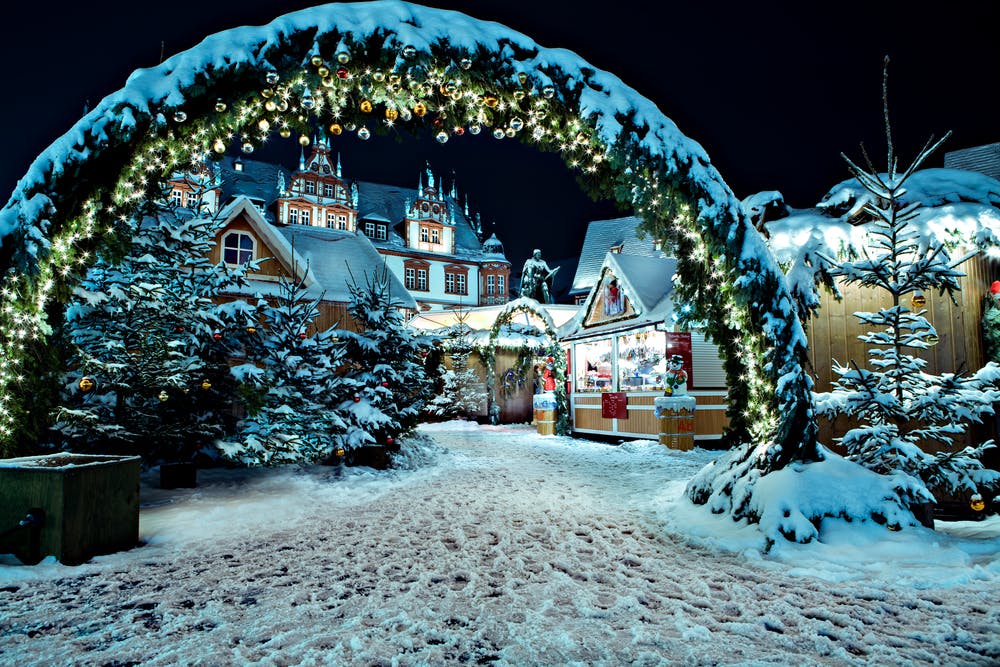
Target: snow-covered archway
(357, 67)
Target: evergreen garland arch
(361, 67)
(506, 316)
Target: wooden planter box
(89, 505)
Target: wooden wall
(709, 420)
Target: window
(238, 166)
(380, 233)
(460, 283)
(293, 216)
(455, 280)
(449, 283)
(177, 195)
(310, 187)
(327, 190)
(192, 200)
(370, 229)
(410, 276)
(501, 285)
(490, 284)
(422, 280)
(331, 220)
(435, 236)
(341, 222)
(423, 235)
(237, 248)
(304, 217)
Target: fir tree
(142, 330)
(901, 408)
(292, 386)
(464, 392)
(386, 384)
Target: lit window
(237, 248)
(411, 278)
(192, 200)
(422, 280)
(293, 216)
(435, 236)
(304, 218)
(491, 284)
(238, 166)
(310, 187)
(460, 283)
(501, 286)
(341, 222)
(331, 220)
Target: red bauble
(384, 383)
(357, 398)
(179, 329)
(459, 130)
(389, 440)
(302, 336)
(217, 335)
(341, 72)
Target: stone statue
(536, 278)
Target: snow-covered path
(509, 549)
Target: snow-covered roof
(646, 281)
(483, 317)
(334, 256)
(602, 236)
(984, 159)
(254, 179)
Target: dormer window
(237, 248)
(310, 187)
(327, 190)
(237, 166)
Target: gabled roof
(257, 180)
(276, 244)
(647, 283)
(602, 236)
(335, 256)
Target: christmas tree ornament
(343, 57)
(267, 92)
(391, 113)
(216, 335)
(251, 329)
(491, 101)
(303, 140)
(395, 78)
(336, 129)
(442, 137)
(339, 452)
(220, 105)
(384, 383)
(420, 109)
(409, 52)
(933, 339)
(976, 503)
(307, 101)
(303, 335)
(519, 95)
(548, 92)
(327, 81)
(179, 329)
(163, 396)
(581, 138)
(457, 95)
(205, 385)
(263, 125)
(219, 146)
(389, 440)
(475, 128)
(498, 133)
(316, 60)
(465, 63)
(378, 75)
(85, 384)
(247, 147)
(272, 78)
(180, 116)
(459, 130)
(918, 300)
(270, 105)
(510, 133)
(405, 114)
(323, 71)
(522, 78)
(342, 73)
(357, 398)
(283, 105)
(366, 106)
(516, 124)
(350, 126)
(450, 87)
(364, 134)
(285, 132)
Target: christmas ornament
(283, 105)
(285, 132)
(498, 133)
(307, 101)
(384, 383)
(459, 130)
(205, 385)
(409, 51)
(317, 60)
(327, 81)
(548, 92)
(350, 127)
(976, 503)
(389, 440)
(323, 71)
(420, 109)
(336, 129)
(86, 384)
(302, 335)
(366, 106)
(995, 289)
(270, 105)
(342, 73)
(180, 116)
(918, 300)
(364, 134)
(247, 147)
(378, 75)
(272, 77)
(263, 125)
(251, 329)
(303, 140)
(933, 339)
(475, 128)
(343, 57)
(516, 124)
(220, 105)
(465, 63)
(163, 396)
(522, 78)
(339, 452)
(519, 95)
(510, 132)
(219, 146)
(395, 78)
(217, 335)
(179, 329)
(491, 101)
(357, 398)
(267, 92)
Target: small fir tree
(464, 392)
(900, 407)
(386, 384)
(142, 333)
(292, 387)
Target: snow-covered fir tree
(386, 384)
(292, 385)
(147, 373)
(902, 410)
(464, 392)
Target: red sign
(614, 405)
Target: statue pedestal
(545, 412)
(676, 415)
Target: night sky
(773, 91)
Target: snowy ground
(503, 547)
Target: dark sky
(773, 91)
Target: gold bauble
(976, 503)
(323, 71)
(932, 339)
(263, 125)
(270, 105)
(219, 146)
(366, 106)
(316, 60)
(163, 396)
(395, 78)
(304, 140)
(205, 385)
(420, 109)
(86, 384)
(510, 132)
(491, 101)
(267, 92)
(378, 75)
(283, 105)
(522, 78)
(220, 106)
(391, 114)
(343, 57)
(285, 132)
(251, 329)
(336, 129)
(918, 300)
(327, 81)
